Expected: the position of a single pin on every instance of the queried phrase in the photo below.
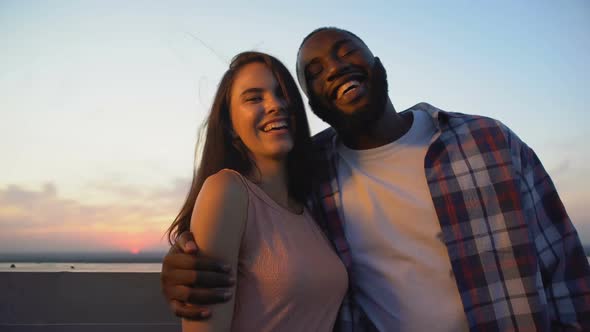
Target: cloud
(134, 216)
(42, 220)
(560, 169)
(576, 205)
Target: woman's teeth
(275, 125)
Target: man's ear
(379, 72)
(377, 62)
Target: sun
(135, 251)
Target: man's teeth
(346, 87)
(275, 125)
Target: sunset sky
(101, 101)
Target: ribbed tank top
(289, 277)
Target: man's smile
(348, 88)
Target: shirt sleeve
(563, 264)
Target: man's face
(345, 83)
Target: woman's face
(258, 112)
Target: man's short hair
(320, 30)
(326, 29)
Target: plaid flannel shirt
(517, 259)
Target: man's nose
(335, 67)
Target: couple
(422, 220)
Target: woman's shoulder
(222, 203)
(219, 218)
(227, 186)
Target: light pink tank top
(289, 277)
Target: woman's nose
(275, 104)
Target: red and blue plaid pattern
(515, 254)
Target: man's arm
(189, 280)
(564, 267)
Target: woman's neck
(271, 176)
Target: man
(445, 221)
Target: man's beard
(363, 118)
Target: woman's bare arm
(218, 226)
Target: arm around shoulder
(218, 226)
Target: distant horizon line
(84, 257)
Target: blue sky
(101, 101)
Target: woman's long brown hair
(221, 150)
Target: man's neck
(387, 129)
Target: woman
(245, 206)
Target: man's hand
(190, 280)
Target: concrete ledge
(80, 301)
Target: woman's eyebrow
(251, 90)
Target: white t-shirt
(400, 264)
